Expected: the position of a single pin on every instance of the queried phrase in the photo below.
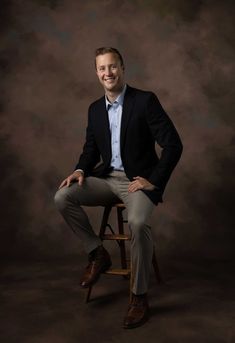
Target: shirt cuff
(80, 170)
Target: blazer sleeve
(90, 155)
(167, 137)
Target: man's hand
(77, 175)
(140, 183)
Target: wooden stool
(120, 237)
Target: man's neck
(112, 96)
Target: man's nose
(108, 71)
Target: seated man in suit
(122, 129)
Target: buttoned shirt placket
(115, 115)
(115, 118)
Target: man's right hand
(77, 175)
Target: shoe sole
(136, 325)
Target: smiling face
(110, 72)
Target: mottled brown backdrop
(182, 50)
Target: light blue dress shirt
(115, 117)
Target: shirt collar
(119, 99)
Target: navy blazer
(144, 122)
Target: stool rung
(118, 271)
(116, 237)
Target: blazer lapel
(126, 113)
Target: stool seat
(120, 237)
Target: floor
(41, 302)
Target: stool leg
(88, 294)
(104, 221)
(122, 243)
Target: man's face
(110, 72)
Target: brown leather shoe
(138, 312)
(98, 263)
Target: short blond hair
(106, 50)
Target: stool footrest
(118, 271)
(116, 237)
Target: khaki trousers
(105, 191)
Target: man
(122, 129)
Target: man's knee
(60, 199)
(138, 226)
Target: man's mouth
(110, 79)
